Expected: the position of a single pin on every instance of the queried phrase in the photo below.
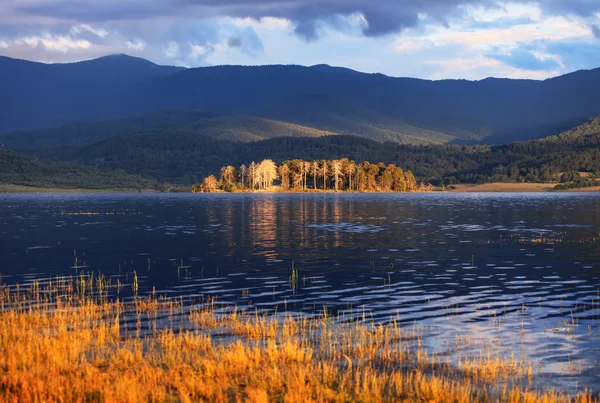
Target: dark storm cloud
(381, 16)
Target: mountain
(322, 98)
(36, 95)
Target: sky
(432, 39)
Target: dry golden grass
(505, 187)
(66, 341)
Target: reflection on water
(518, 270)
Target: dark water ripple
(520, 269)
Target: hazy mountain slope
(321, 97)
(248, 128)
(224, 127)
(348, 103)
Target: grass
(506, 187)
(71, 339)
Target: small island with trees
(303, 176)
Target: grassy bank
(506, 187)
(64, 340)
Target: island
(300, 176)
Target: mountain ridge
(324, 98)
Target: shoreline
(500, 187)
(460, 188)
(6, 188)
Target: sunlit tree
(243, 174)
(325, 173)
(228, 176)
(314, 169)
(342, 174)
(284, 174)
(336, 168)
(252, 175)
(267, 173)
(210, 184)
(349, 169)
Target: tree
(336, 167)
(314, 169)
(372, 171)
(386, 179)
(252, 175)
(209, 184)
(267, 171)
(411, 183)
(294, 173)
(349, 170)
(306, 166)
(242, 171)
(228, 176)
(284, 174)
(324, 172)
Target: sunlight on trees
(300, 175)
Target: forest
(25, 170)
(183, 159)
(299, 175)
(187, 158)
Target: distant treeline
(26, 170)
(300, 175)
(574, 180)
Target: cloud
(426, 38)
(54, 43)
(525, 59)
(584, 8)
(576, 55)
(381, 17)
(234, 42)
(186, 42)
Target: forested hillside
(212, 125)
(184, 158)
(25, 170)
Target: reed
(64, 339)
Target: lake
(521, 271)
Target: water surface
(522, 270)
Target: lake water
(520, 270)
